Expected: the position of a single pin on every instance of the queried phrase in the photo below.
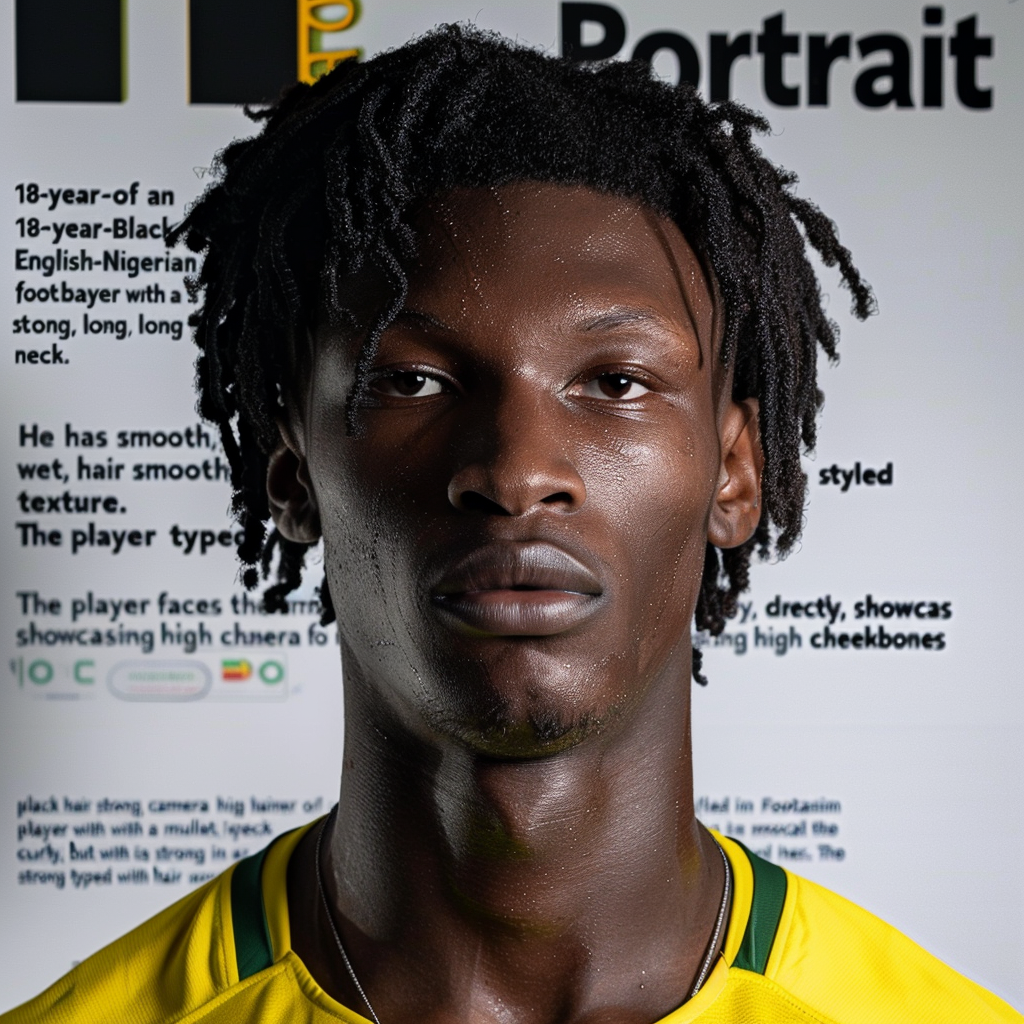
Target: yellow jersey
(794, 953)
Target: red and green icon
(235, 670)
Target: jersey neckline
(258, 932)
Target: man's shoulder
(219, 955)
(848, 965)
(167, 967)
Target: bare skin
(514, 540)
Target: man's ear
(737, 506)
(290, 493)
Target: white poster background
(893, 777)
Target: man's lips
(518, 589)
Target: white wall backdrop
(863, 721)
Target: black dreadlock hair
(330, 188)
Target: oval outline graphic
(175, 694)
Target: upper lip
(509, 565)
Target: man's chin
(538, 736)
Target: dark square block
(67, 51)
(241, 51)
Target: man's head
(515, 536)
(462, 189)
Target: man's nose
(517, 458)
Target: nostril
(514, 489)
(474, 501)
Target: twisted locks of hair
(329, 188)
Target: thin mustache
(505, 565)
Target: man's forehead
(553, 216)
(577, 236)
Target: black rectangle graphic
(241, 51)
(67, 51)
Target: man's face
(515, 536)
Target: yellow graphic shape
(317, 19)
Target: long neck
(542, 889)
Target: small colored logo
(272, 672)
(238, 51)
(235, 670)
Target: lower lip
(519, 612)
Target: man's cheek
(666, 553)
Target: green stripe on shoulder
(253, 950)
(765, 912)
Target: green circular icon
(40, 671)
(271, 672)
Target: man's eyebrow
(620, 316)
(420, 317)
(624, 315)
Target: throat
(553, 847)
(566, 888)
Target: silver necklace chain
(705, 968)
(330, 919)
(702, 975)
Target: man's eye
(615, 386)
(407, 384)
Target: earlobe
(290, 494)
(737, 506)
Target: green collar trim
(765, 911)
(253, 949)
